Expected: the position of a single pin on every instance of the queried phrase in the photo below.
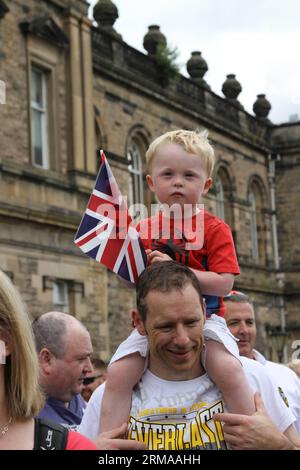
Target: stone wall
(103, 92)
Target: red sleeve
(77, 441)
(144, 229)
(220, 250)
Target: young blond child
(180, 165)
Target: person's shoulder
(50, 411)
(283, 370)
(253, 369)
(257, 374)
(211, 221)
(251, 364)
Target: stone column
(75, 114)
(88, 110)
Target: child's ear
(150, 182)
(208, 185)
(138, 322)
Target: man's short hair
(164, 276)
(238, 297)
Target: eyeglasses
(90, 380)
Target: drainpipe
(271, 177)
(280, 278)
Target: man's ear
(150, 182)
(46, 359)
(208, 185)
(138, 322)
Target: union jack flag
(106, 232)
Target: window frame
(64, 305)
(253, 225)
(220, 198)
(135, 169)
(44, 113)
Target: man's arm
(211, 283)
(214, 283)
(256, 432)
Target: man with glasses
(93, 379)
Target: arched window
(135, 152)
(220, 198)
(224, 189)
(257, 226)
(253, 226)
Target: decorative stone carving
(153, 38)
(197, 68)
(262, 107)
(105, 14)
(45, 28)
(231, 89)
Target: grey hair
(50, 330)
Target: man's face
(240, 320)
(65, 379)
(174, 326)
(97, 377)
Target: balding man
(64, 348)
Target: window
(253, 226)
(258, 221)
(61, 295)
(224, 190)
(135, 193)
(39, 118)
(220, 199)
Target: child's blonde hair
(195, 142)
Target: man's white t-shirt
(288, 384)
(174, 415)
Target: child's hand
(156, 255)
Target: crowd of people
(188, 376)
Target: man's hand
(258, 431)
(156, 255)
(115, 440)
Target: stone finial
(262, 107)
(3, 9)
(153, 38)
(105, 14)
(197, 68)
(231, 89)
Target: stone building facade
(69, 88)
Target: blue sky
(257, 40)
